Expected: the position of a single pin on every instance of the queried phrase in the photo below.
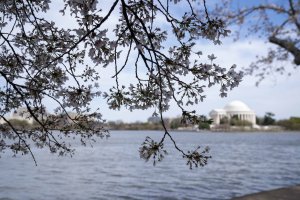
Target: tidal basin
(242, 163)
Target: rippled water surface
(242, 163)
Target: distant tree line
(268, 119)
(170, 123)
(134, 126)
(290, 124)
(293, 123)
(60, 123)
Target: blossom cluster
(40, 61)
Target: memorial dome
(236, 106)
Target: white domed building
(234, 108)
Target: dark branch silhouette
(41, 62)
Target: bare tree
(42, 62)
(278, 22)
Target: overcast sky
(277, 94)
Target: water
(242, 163)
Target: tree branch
(288, 46)
(294, 15)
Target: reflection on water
(241, 163)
